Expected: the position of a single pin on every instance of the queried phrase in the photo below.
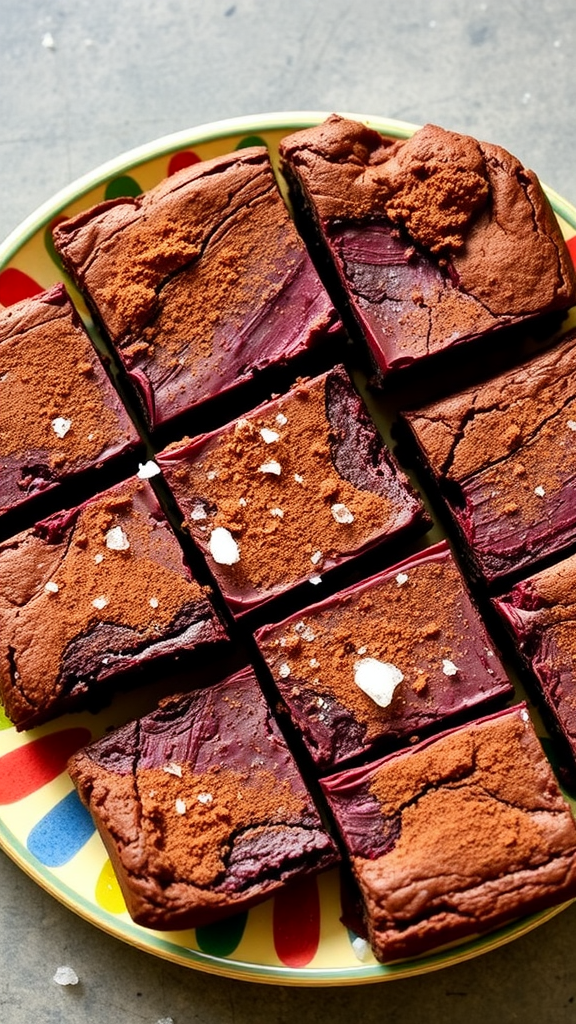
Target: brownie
(541, 614)
(384, 661)
(298, 486)
(199, 282)
(90, 593)
(59, 413)
(504, 457)
(456, 836)
(201, 807)
(434, 241)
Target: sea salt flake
(284, 670)
(277, 513)
(100, 602)
(116, 539)
(242, 502)
(172, 769)
(65, 976)
(281, 419)
(571, 424)
(539, 491)
(342, 514)
(449, 668)
(51, 587)
(205, 798)
(198, 513)
(99, 558)
(274, 468)
(299, 479)
(377, 679)
(361, 651)
(314, 663)
(401, 579)
(223, 547)
(48, 44)
(211, 474)
(315, 580)
(154, 602)
(305, 631)
(61, 426)
(316, 558)
(269, 436)
(361, 949)
(180, 806)
(524, 715)
(146, 470)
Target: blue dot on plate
(61, 833)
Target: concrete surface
(121, 73)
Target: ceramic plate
(295, 937)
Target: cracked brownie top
(201, 806)
(541, 614)
(59, 413)
(89, 593)
(290, 491)
(504, 456)
(457, 835)
(436, 239)
(198, 282)
(384, 661)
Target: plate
(296, 937)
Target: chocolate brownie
(541, 615)
(298, 486)
(199, 282)
(201, 807)
(384, 661)
(456, 836)
(59, 413)
(435, 240)
(504, 457)
(90, 593)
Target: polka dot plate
(296, 937)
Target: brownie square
(88, 594)
(298, 486)
(201, 807)
(503, 455)
(385, 661)
(433, 241)
(540, 613)
(59, 413)
(456, 836)
(199, 282)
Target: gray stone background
(122, 73)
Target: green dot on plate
(122, 186)
(250, 140)
(221, 938)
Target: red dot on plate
(15, 285)
(571, 244)
(296, 923)
(26, 769)
(184, 159)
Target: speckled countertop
(80, 83)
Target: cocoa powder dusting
(283, 501)
(51, 374)
(189, 821)
(414, 626)
(217, 293)
(113, 566)
(494, 782)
